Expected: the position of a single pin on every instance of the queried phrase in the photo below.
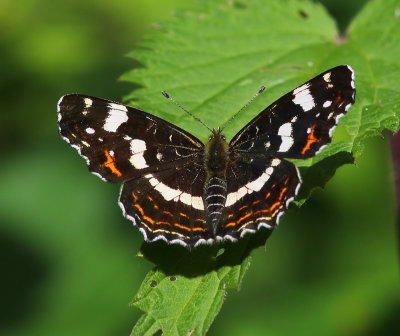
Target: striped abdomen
(215, 197)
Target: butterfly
(178, 189)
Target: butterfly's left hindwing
(169, 205)
(119, 142)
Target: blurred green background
(68, 258)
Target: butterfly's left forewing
(119, 142)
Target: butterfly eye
(223, 137)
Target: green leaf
(213, 59)
(180, 305)
(184, 293)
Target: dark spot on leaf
(172, 278)
(239, 5)
(303, 14)
(153, 284)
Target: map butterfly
(180, 190)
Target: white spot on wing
(186, 198)
(231, 199)
(301, 88)
(327, 104)
(303, 98)
(257, 184)
(250, 187)
(137, 146)
(116, 117)
(197, 203)
(327, 77)
(167, 192)
(138, 161)
(275, 162)
(118, 107)
(88, 102)
(285, 132)
(285, 129)
(89, 130)
(137, 149)
(286, 143)
(176, 195)
(153, 181)
(159, 156)
(269, 171)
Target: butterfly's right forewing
(300, 123)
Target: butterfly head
(216, 133)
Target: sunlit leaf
(213, 59)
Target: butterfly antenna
(166, 95)
(261, 90)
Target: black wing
(169, 205)
(161, 165)
(259, 191)
(300, 123)
(119, 142)
(261, 183)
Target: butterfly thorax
(216, 154)
(215, 188)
